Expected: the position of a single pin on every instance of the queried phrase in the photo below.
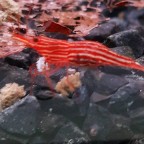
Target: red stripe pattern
(78, 53)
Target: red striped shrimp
(78, 53)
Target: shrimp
(78, 53)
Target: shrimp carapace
(77, 53)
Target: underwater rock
(42, 93)
(97, 97)
(70, 133)
(98, 123)
(38, 139)
(119, 71)
(106, 29)
(121, 130)
(140, 60)
(7, 138)
(102, 83)
(10, 141)
(123, 98)
(130, 38)
(124, 50)
(108, 84)
(21, 60)
(50, 123)
(21, 118)
(82, 98)
(11, 74)
(135, 17)
(61, 106)
(137, 120)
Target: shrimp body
(78, 53)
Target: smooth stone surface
(106, 29)
(70, 133)
(123, 98)
(98, 123)
(130, 38)
(50, 123)
(102, 83)
(21, 118)
(61, 106)
(11, 74)
(125, 51)
(21, 60)
(137, 120)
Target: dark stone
(10, 141)
(56, 35)
(137, 120)
(121, 130)
(124, 50)
(82, 98)
(11, 74)
(21, 118)
(42, 93)
(98, 123)
(123, 98)
(96, 97)
(38, 139)
(33, 55)
(106, 29)
(21, 60)
(50, 123)
(140, 30)
(108, 84)
(135, 17)
(89, 80)
(6, 138)
(60, 105)
(70, 133)
(120, 71)
(140, 60)
(102, 83)
(130, 38)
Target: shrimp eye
(35, 39)
(21, 30)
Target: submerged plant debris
(9, 94)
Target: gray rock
(70, 134)
(98, 123)
(50, 124)
(21, 118)
(7, 138)
(21, 60)
(38, 139)
(106, 29)
(123, 98)
(124, 50)
(130, 38)
(102, 83)
(137, 120)
(61, 106)
(140, 60)
(135, 17)
(96, 97)
(43, 93)
(11, 74)
(121, 130)
(82, 98)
